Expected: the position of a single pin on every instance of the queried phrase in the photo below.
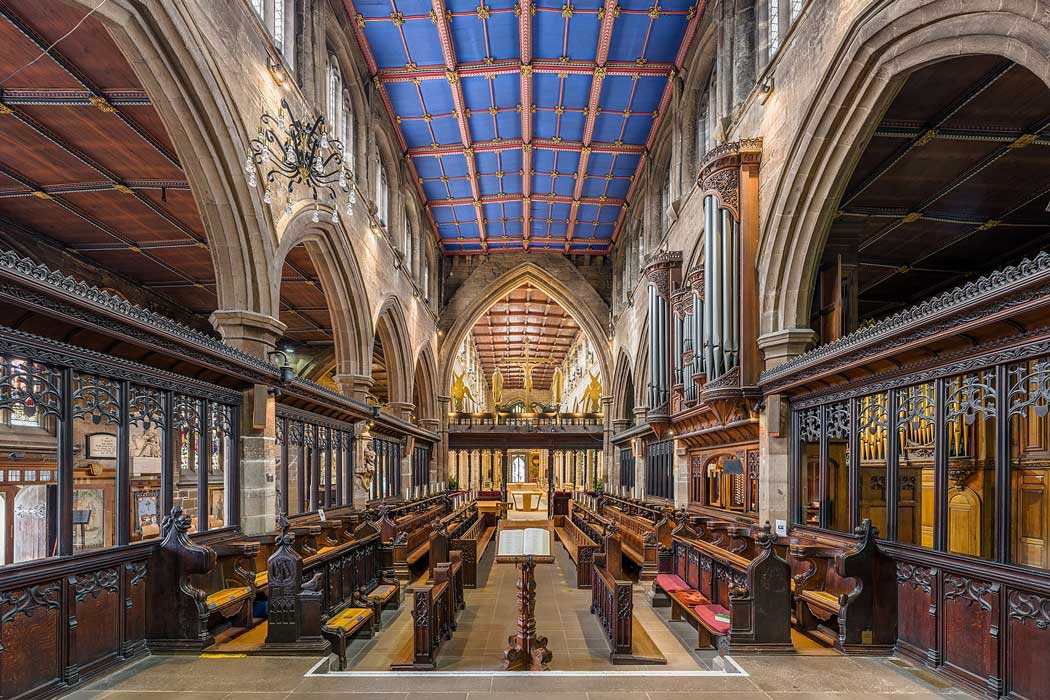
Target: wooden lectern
(526, 543)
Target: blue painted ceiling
(485, 91)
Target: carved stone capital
(784, 345)
(356, 386)
(249, 331)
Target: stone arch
(623, 389)
(391, 330)
(424, 391)
(641, 367)
(884, 46)
(561, 281)
(206, 128)
(341, 282)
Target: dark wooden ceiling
(86, 166)
(526, 312)
(954, 183)
(85, 163)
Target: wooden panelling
(71, 622)
(1027, 644)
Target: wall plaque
(101, 446)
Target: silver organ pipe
(708, 350)
(653, 334)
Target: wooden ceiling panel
(90, 48)
(1013, 102)
(922, 173)
(110, 141)
(27, 156)
(195, 263)
(524, 314)
(126, 214)
(49, 220)
(926, 93)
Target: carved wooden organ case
(704, 362)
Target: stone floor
(580, 669)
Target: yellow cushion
(382, 592)
(792, 585)
(226, 595)
(822, 597)
(261, 579)
(322, 550)
(350, 619)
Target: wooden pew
(642, 537)
(580, 547)
(406, 538)
(434, 611)
(612, 602)
(471, 542)
(294, 622)
(845, 590)
(199, 587)
(755, 593)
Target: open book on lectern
(533, 541)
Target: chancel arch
(883, 48)
(573, 294)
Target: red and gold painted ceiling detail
(526, 122)
(525, 313)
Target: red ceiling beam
(509, 66)
(505, 198)
(444, 31)
(515, 144)
(525, 11)
(610, 9)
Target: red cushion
(707, 614)
(671, 583)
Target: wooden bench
(844, 590)
(346, 624)
(434, 610)
(612, 602)
(406, 538)
(580, 547)
(755, 593)
(200, 588)
(471, 544)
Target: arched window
(426, 277)
(278, 17)
(796, 9)
(334, 98)
(382, 196)
(665, 204)
(774, 26)
(409, 253)
(347, 136)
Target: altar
(525, 496)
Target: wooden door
(964, 522)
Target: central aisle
(562, 615)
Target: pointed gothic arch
(886, 44)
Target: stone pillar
(639, 468)
(356, 386)
(252, 332)
(258, 468)
(607, 467)
(681, 475)
(774, 440)
(434, 475)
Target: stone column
(774, 440)
(254, 333)
(258, 467)
(434, 468)
(607, 467)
